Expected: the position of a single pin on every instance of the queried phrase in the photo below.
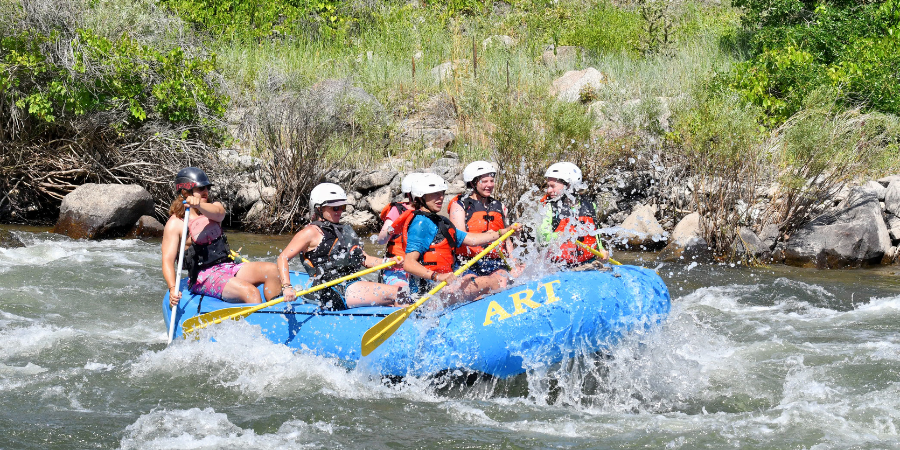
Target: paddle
(382, 330)
(596, 253)
(187, 216)
(219, 316)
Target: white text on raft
(520, 299)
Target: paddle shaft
(596, 253)
(382, 330)
(184, 230)
(247, 311)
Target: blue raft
(530, 325)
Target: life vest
(396, 245)
(565, 220)
(441, 253)
(214, 249)
(339, 254)
(480, 219)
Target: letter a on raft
(520, 300)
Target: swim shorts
(212, 280)
(394, 277)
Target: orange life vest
(442, 252)
(565, 220)
(480, 219)
(396, 244)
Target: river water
(748, 358)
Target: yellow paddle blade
(218, 316)
(382, 330)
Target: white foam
(31, 339)
(206, 429)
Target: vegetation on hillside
(791, 99)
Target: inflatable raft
(529, 325)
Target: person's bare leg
(264, 273)
(470, 287)
(368, 293)
(240, 291)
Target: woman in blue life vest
(476, 211)
(569, 217)
(332, 250)
(207, 257)
(432, 243)
(391, 233)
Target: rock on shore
(94, 211)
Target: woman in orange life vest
(476, 212)
(392, 236)
(332, 250)
(570, 216)
(207, 256)
(432, 242)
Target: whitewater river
(748, 358)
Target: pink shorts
(211, 281)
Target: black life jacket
(201, 256)
(339, 254)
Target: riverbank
(656, 119)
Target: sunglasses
(338, 208)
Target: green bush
(119, 76)
(800, 45)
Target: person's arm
(411, 266)
(546, 232)
(387, 230)
(488, 237)
(215, 212)
(171, 241)
(458, 216)
(299, 244)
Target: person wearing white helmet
(432, 242)
(211, 269)
(477, 211)
(570, 216)
(390, 235)
(331, 250)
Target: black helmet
(191, 177)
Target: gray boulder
(374, 179)
(640, 230)
(748, 244)
(686, 242)
(853, 235)
(877, 188)
(360, 220)
(95, 211)
(570, 86)
(377, 200)
(146, 227)
(769, 236)
(9, 240)
(892, 198)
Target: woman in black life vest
(207, 257)
(331, 250)
(476, 211)
(432, 243)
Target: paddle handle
(318, 287)
(596, 253)
(184, 230)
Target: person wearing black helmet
(207, 256)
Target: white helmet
(477, 169)
(407, 183)
(329, 193)
(566, 171)
(427, 183)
